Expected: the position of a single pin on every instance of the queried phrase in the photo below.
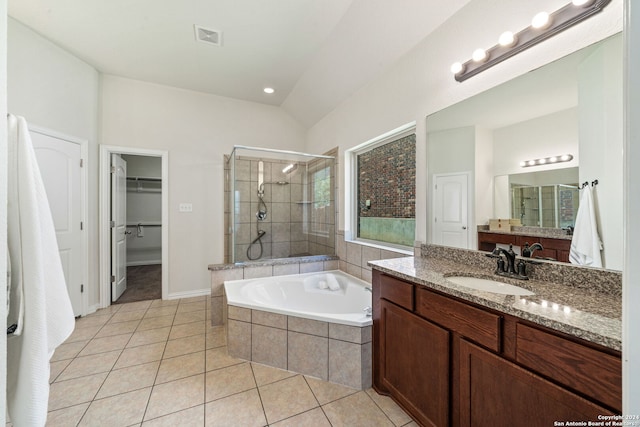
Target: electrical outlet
(185, 207)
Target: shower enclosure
(553, 206)
(278, 204)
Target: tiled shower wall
(298, 222)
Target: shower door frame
(231, 159)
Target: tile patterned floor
(160, 363)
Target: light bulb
(553, 159)
(583, 3)
(457, 68)
(507, 39)
(565, 158)
(268, 90)
(541, 20)
(523, 164)
(531, 162)
(542, 161)
(479, 55)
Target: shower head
(289, 168)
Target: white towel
(37, 280)
(332, 282)
(586, 244)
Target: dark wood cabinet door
(496, 393)
(414, 364)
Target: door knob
(127, 232)
(464, 227)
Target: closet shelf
(145, 224)
(143, 178)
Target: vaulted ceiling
(314, 53)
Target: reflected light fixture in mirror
(543, 26)
(546, 160)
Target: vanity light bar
(543, 27)
(547, 160)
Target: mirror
(571, 106)
(538, 199)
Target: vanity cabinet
(495, 392)
(449, 362)
(557, 249)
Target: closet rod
(144, 225)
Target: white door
(118, 226)
(450, 211)
(60, 167)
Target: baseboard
(150, 262)
(189, 294)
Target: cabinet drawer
(475, 324)
(497, 238)
(584, 369)
(397, 291)
(558, 244)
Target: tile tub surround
(590, 313)
(332, 352)
(263, 268)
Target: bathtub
(305, 295)
(298, 323)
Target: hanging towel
(40, 303)
(586, 244)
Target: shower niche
(278, 204)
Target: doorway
(451, 210)
(133, 224)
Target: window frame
(351, 186)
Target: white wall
(549, 135)
(55, 90)
(3, 207)
(631, 274)
(483, 179)
(420, 83)
(197, 130)
(601, 143)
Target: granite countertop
(592, 315)
(550, 233)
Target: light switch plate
(185, 207)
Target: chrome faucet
(368, 288)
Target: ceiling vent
(207, 35)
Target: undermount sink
(488, 285)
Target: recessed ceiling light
(269, 90)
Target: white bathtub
(301, 295)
